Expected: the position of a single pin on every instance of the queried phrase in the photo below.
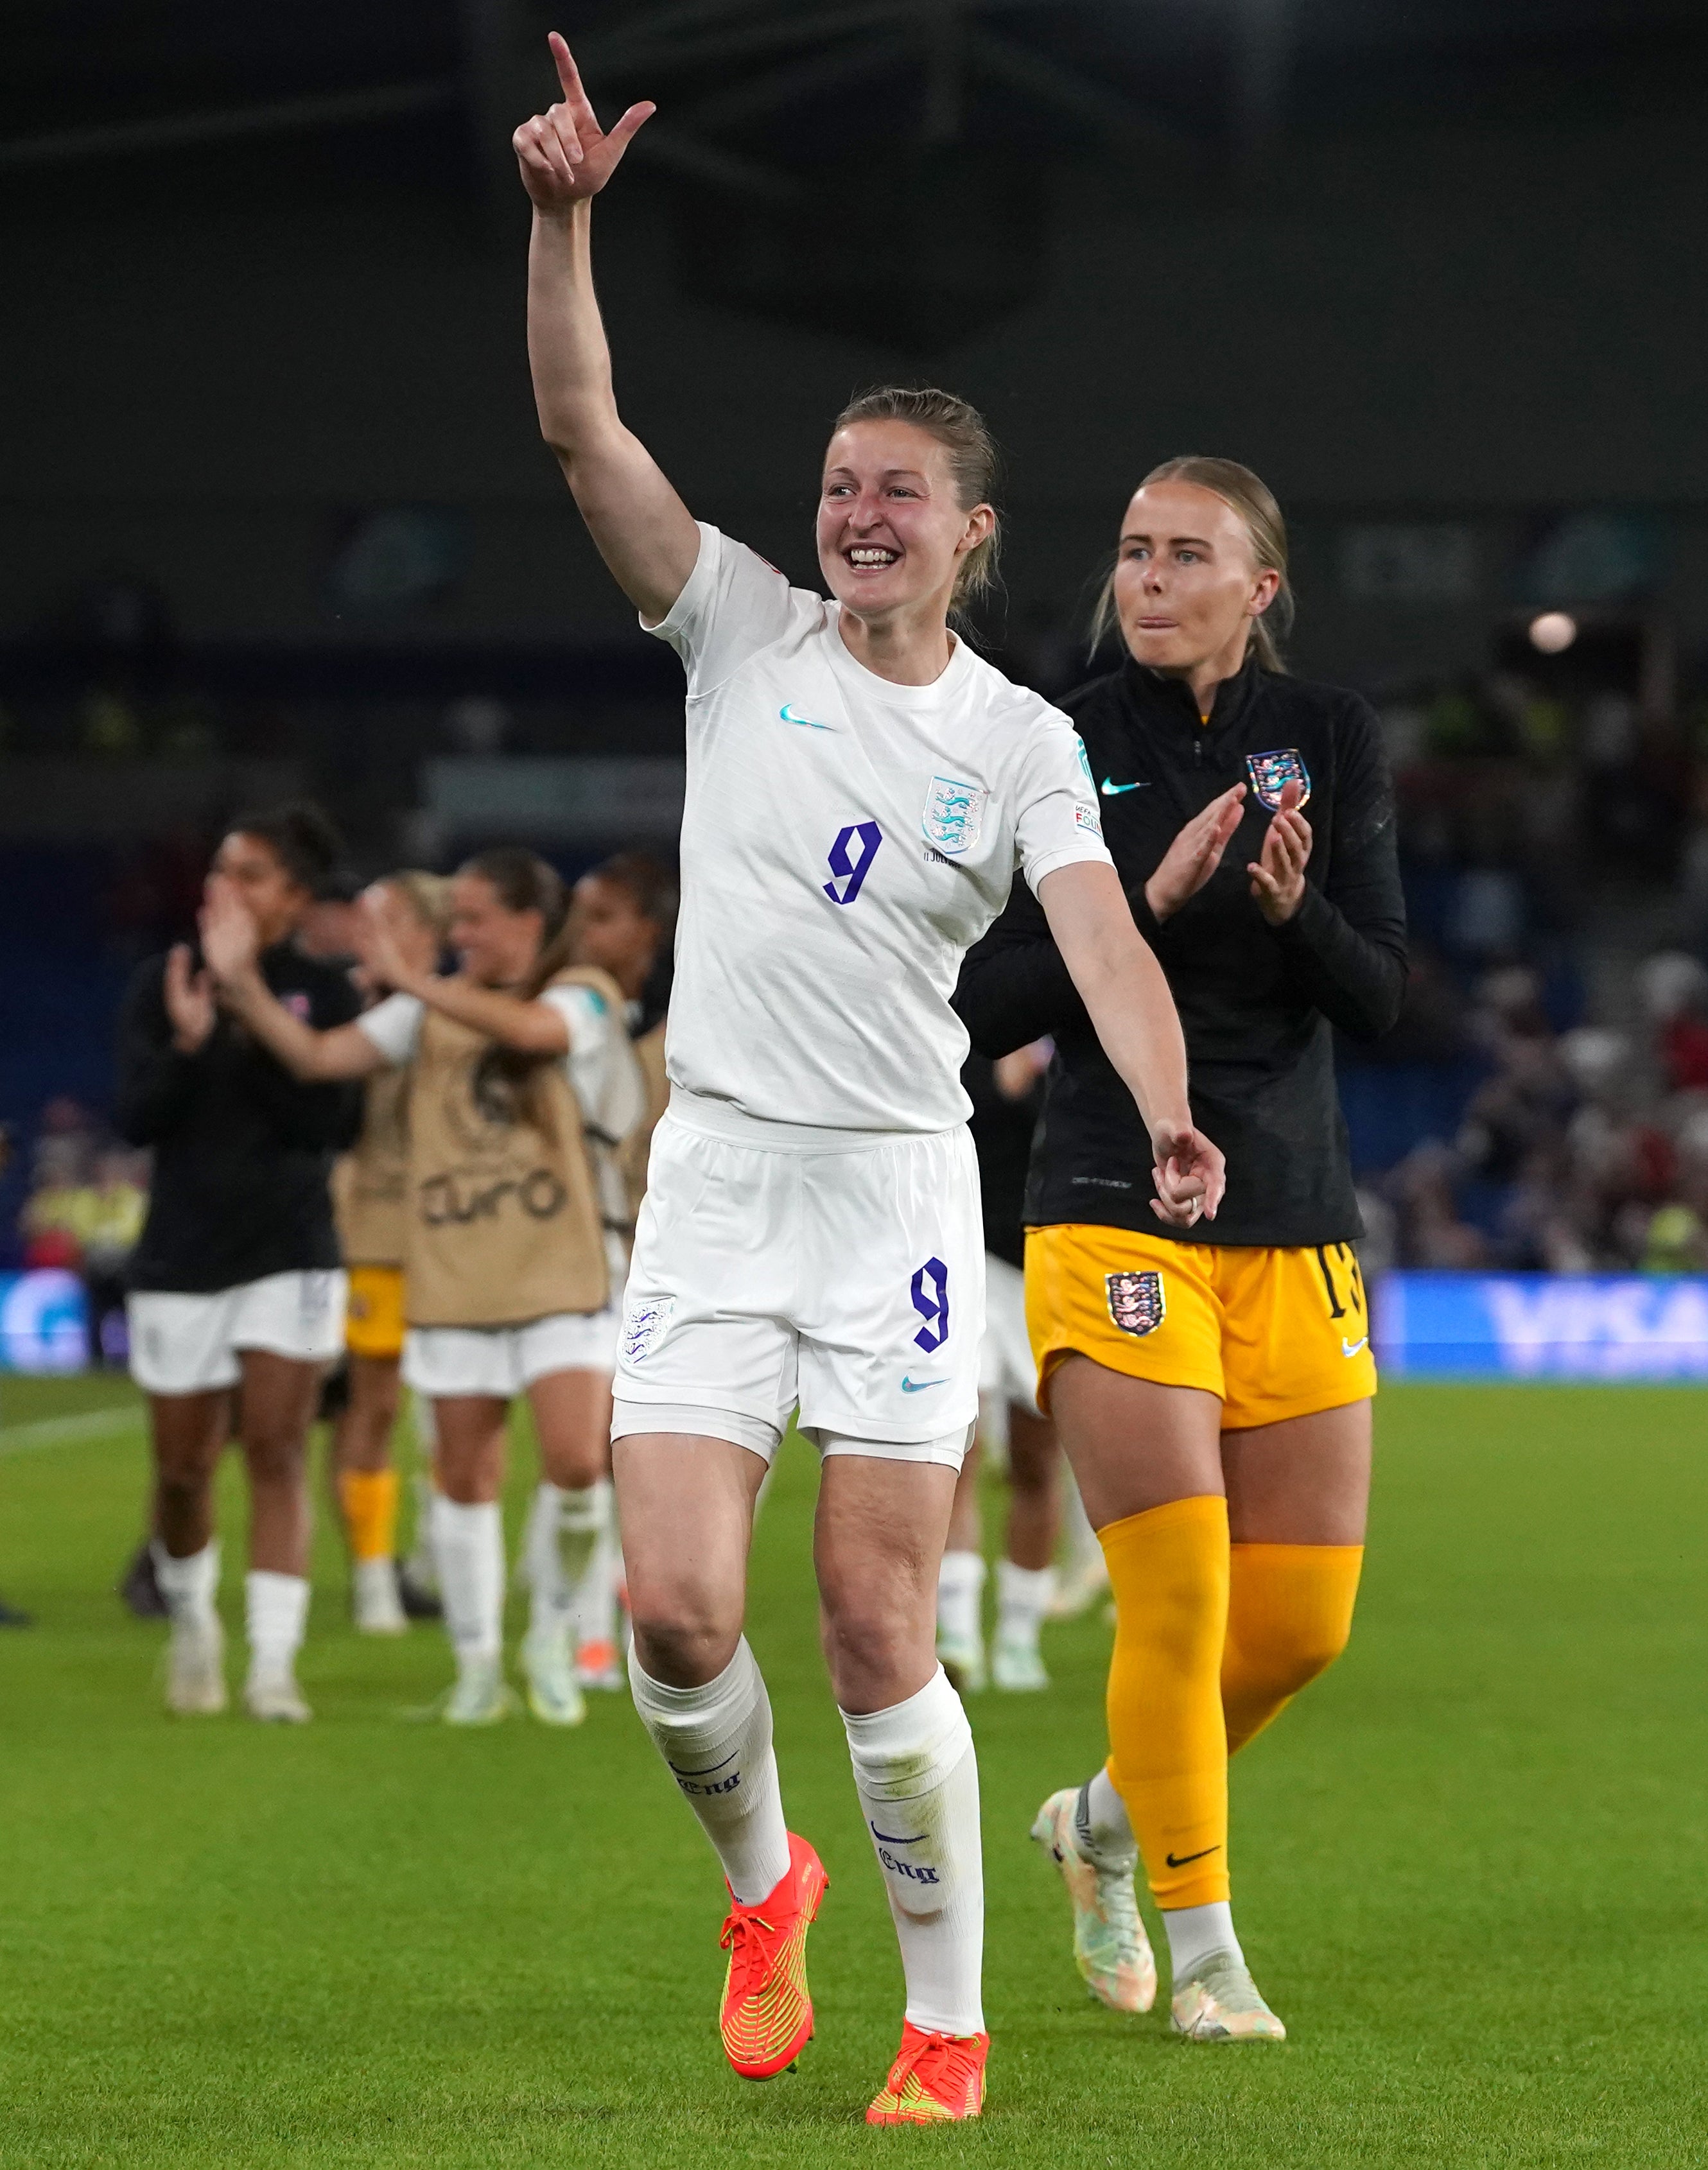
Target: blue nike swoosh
(919, 1386)
(806, 721)
(1114, 790)
(888, 1840)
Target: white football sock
(918, 1779)
(1195, 1932)
(717, 1740)
(565, 1531)
(277, 1606)
(596, 1596)
(1102, 1830)
(469, 1546)
(960, 1586)
(1023, 1595)
(190, 1584)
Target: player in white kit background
(862, 789)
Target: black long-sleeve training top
(242, 1151)
(1258, 1003)
(1002, 1137)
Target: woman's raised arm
(643, 531)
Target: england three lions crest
(1135, 1301)
(1271, 773)
(954, 815)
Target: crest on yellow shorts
(1135, 1301)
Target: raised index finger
(569, 75)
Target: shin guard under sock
(1168, 1745)
(717, 1740)
(918, 1779)
(1289, 1614)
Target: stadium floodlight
(1553, 632)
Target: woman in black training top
(238, 1295)
(1208, 1383)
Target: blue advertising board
(1563, 1327)
(44, 1322)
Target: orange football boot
(935, 2079)
(767, 2017)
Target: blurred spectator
(83, 1216)
(1577, 1152)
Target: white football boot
(195, 1667)
(1111, 1947)
(1017, 1666)
(274, 1699)
(1218, 2001)
(375, 1605)
(548, 1662)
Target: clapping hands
(1278, 873)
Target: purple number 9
(851, 872)
(931, 1301)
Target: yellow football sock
(369, 1499)
(1168, 1750)
(1289, 1614)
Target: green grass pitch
(1469, 1865)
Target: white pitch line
(67, 1431)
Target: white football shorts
(504, 1360)
(190, 1344)
(1008, 1372)
(776, 1265)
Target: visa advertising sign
(44, 1322)
(1563, 1327)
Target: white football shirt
(845, 841)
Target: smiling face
(276, 900)
(891, 532)
(497, 946)
(1187, 587)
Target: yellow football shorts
(373, 1316)
(1275, 1334)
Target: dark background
(274, 512)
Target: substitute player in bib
(370, 1197)
(621, 919)
(237, 1302)
(523, 1085)
(1212, 1387)
(861, 790)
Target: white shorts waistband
(721, 1118)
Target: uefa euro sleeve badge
(1135, 1301)
(953, 815)
(1271, 773)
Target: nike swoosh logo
(709, 1770)
(1114, 790)
(1351, 1347)
(888, 1840)
(808, 722)
(919, 1386)
(1180, 1861)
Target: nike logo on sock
(709, 1770)
(888, 1840)
(1181, 1861)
